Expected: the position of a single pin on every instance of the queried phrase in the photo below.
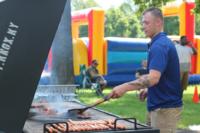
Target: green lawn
(130, 106)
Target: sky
(109, 3)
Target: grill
(61, 122)
(97, 126)
(39, 122)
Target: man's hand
(119, 91)
(143, 94)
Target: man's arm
(194, 51)
(193, 48)
(143, 82)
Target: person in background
(176, 42)
(94, 75)
(185, 51)
(139, 72)
(164, 101)
(142, 70)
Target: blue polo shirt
(163, 58)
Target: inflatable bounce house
(119, 58)
(187, 28)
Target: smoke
(54, 97)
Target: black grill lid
(27, 29)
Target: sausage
(49, 129)
(111, 125)
(110, 121)
(59, 127)
(52, 130)
(121, 126)
(89, 125)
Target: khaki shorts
(184, 67)
(166, 119)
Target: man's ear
(159, 22)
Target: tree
(79, 5)
(197, 8)
(122, 22)
(82, 4)
(144, 4)
(197, 25)
(171, 25)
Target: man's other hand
(143, 94)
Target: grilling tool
(81, 110)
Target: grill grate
(36, 123)
(93, 126)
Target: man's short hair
(183, 40)
(95, 62)
(154, 11)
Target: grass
(130, 106)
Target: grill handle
(51, 125)
(126, 119)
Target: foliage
(171, 25)
(122, 22)
(144, 4)
(82, 4)
(79, 5)
(197, 8)
(197, 24)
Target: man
(143, 70)
(94, 75)
(184, 53)
(163, 80)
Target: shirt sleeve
(158, 58)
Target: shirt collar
(155, 38)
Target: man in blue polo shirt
(163, 80)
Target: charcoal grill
(38, 123)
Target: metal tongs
(81, 110)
